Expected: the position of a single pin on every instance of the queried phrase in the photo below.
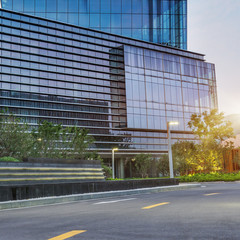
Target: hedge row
(210, 177)
(9, 159)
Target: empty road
(209, 212)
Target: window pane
(115, 6)
(62, 6)
(18, 5)
(136, 6)
(126, 20)
(62, 17)
(116, 20)
(94, 20)
(73, 5)
(126, 6)
(105, 6)
(137, 21)
(105, 20)
(83, 6)
(40, 6)
(7, 4)
(84, 20)
(146, 4)
(28, 6)
(94, 6)
(73, 18)
(51, 5)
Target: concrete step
(34, 178)
(19, 176)
(49, 173)
(42, 173)
(14, 175)
(51, 169)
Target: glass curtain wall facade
(158, 21)
(164, 87)
(123, 90)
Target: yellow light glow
(173, 123)
(115, 149)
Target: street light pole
(113, 168)
(170, 148)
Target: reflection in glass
(162, 21)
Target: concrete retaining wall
(20, 192)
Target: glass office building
(158, 21)
(123, 90)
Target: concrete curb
(86, 196)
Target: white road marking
(120, 200)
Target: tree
(46, 138)
(163, 165)
(210, 127)
(210, 130)
(54, 141)
(143, 163)
(80, 141)
(184, 157)
(15, 140)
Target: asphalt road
(209, 212)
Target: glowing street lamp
(113, 169)
(170, 147)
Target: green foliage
(184, 156)
(95, 156)
(46, 137)
(211, 130)
(143, 163)
(9, 159)
(80, 142)
(115, 179)
(183, 159)
(15, 140)
(47, 140)
(163, 165)
(210, 126)
(209, 177)
(121, 179)
(206, 155)
(54, 141)
(107, 171)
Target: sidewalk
(86, 196)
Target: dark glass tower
(124, 91)
(158, 21)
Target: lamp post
(113, 169)
(170, 147)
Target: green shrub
(107, 171)
(143, 163)
(115, 179)
(209, 177)
(9, 159)
(119, 179)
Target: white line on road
(120, 200)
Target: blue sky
(214, 30)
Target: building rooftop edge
(111, 34)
